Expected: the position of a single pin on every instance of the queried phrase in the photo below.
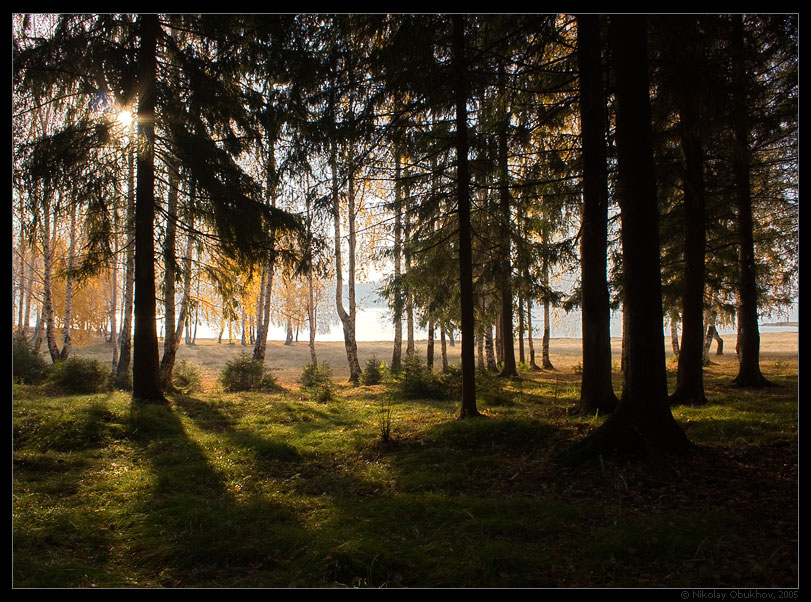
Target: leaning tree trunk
(145, 359)
(642, 421)
(596, 389)
(468, 408)
(749, 374)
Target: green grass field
(276, 490)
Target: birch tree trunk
(66, 339)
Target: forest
(245, 173)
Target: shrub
(243, 373)
(80, 375)
(186, 378)
(315, 374)
(373, 373)
(27, 366)
(316, 380)
(415, 380)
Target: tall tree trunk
(546, 363)
(596, 390)
(690, 374)
(397, 353)
(66, 338)
(444, 346)
(749, 374)
(311, 307)
(521, 330)
(430, 348)
(347, 319)
(509, 367)
(409, 298)
(674, 331)
(114, 303)
(642, 421)
(459, 60)
(47, 282)
(127, 299)
(263, 319)
(145, 359)
(174, 329)
(489, 349)
(531, 345)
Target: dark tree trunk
(508, 368)
(397, 352)
(546, 362)
(690, 375)
(532, 363)
(145, 360)
(642, 421)
(596, 391)
(521, 355)
(749, 374)
(429, 353)
(468, 408)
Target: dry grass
(287, 361)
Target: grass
(277, 490)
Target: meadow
(372, 488)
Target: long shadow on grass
(51, 462)
(443, 525)
(194, 527)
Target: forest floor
(278, 490)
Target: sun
(124, 118)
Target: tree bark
(347, 318)
(47, 282)
(174, 329)
(674, 331)
(66, 338)
(397, 352)
(509, 368)
(145, 359)
(642, 421)
(546, 363)
(127, 299)
(444, 347)
(749, 374)
(429, 353)
(263, 319)
(468, 407)
(596, 389)
(531, 345)
(690, 374)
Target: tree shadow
(194, 526)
